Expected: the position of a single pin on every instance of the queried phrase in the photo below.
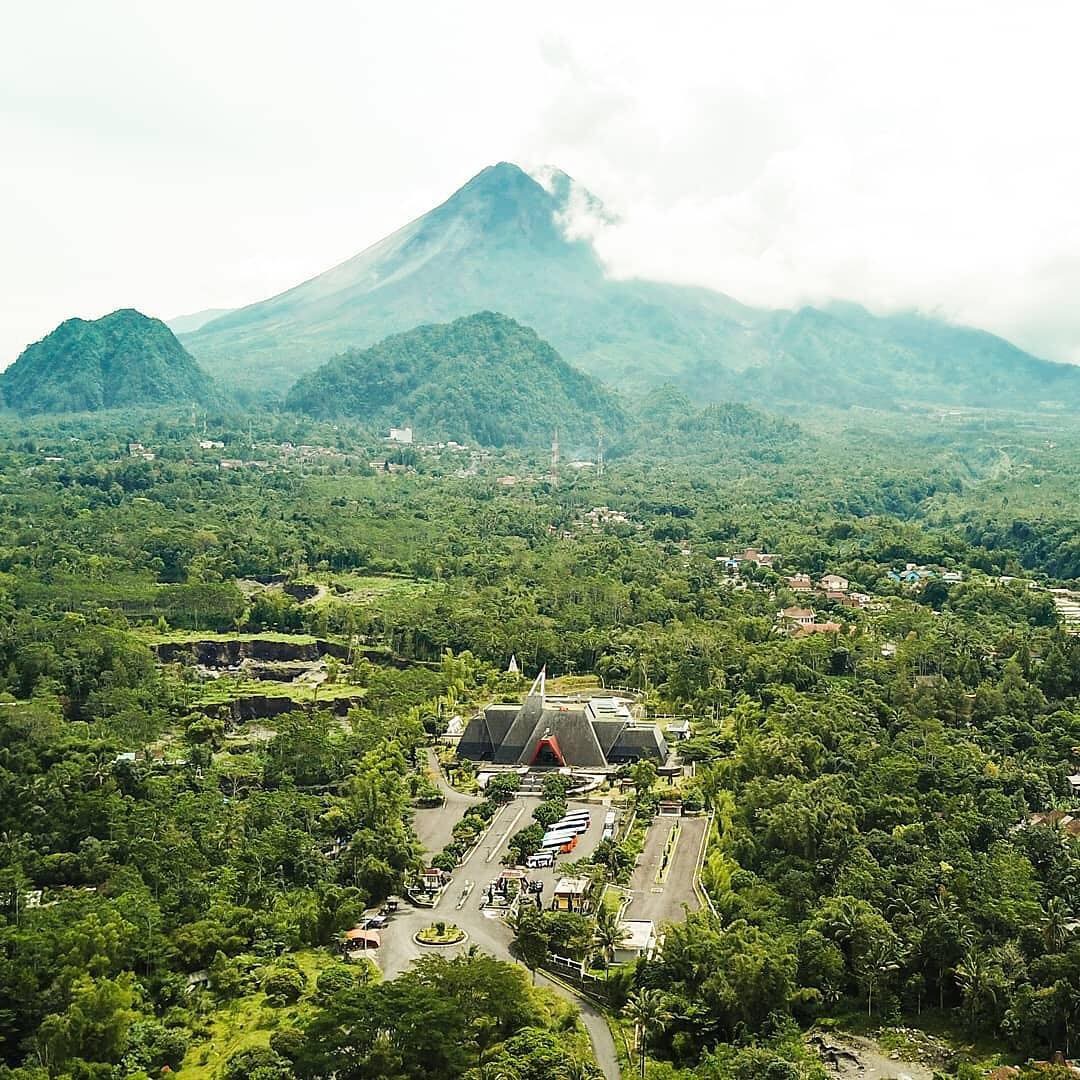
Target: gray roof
(639, 741)
(509, 735)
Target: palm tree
(976, 982)
(649, 1014)
(875, 967)
(1056, 924)
(609, 933)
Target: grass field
(363, 588)
(221, 691)
(249, 1022)
(180, 637)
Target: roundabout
(440, 935)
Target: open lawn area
(363, 588)
(249, 1021)
(153, 636)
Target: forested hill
(499, 244)
(120, 360)
(484, 377)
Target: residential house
(796, 616)
(833, 583)
(800, 583)
(1068, 822)
(759, 558)
(401, 435)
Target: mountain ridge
(497, 243)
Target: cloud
(212, 155)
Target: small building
(758, 558)
(570, 894)
(797, 616)
(432, 878)
(679, 730)
(358, 941)
(639, 939)
(1065, 820)
(834, 583)
(1074, 783)
(800, 583)
(401, 435)
(806, 629)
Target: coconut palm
(1056, 924)
(608, 934)
(975, 978)
(648, 1012)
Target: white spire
(538, 684)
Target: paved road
(460, 904)
(599, 1033)
(435, 826)
(663, 901)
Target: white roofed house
(639, 939)
(834, 583)
(796, 616)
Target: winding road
(460, 904)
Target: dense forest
(175, 877)
(483, 378)
(118, 361)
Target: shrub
(335, 978)
(283, 987)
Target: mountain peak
(123, 359)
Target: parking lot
(659, 894)
(461, 903)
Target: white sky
(182, 156)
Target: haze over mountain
(122, 359)
(188, 324)
(502, 243)
(484, 377)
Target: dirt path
(871, 1061)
